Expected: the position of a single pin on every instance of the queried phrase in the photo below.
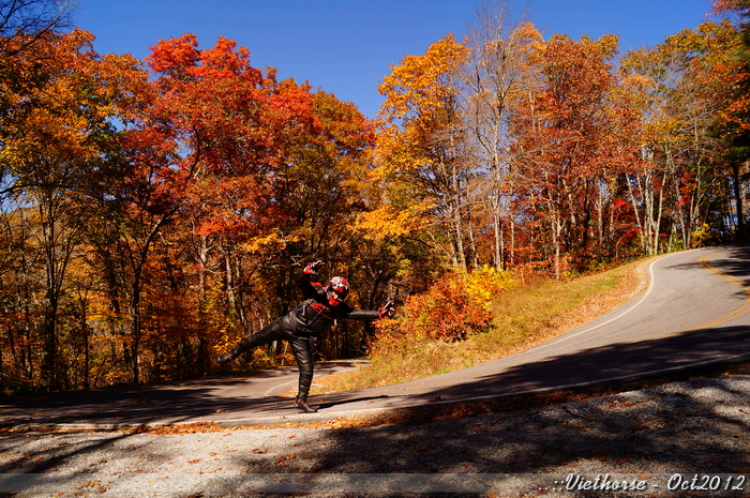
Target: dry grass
(524, 317)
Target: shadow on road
(703, 425)
(622, 434)
(622, 362)
(630, 431)
(133, 406)
(614, 365)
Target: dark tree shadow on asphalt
(635, 432)
(152, 404)
(629, 433)
(130, 407)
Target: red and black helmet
(337, 290)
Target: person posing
(303, 326)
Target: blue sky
(346, 47)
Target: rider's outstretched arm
(385, 311)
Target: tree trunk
(738, 201)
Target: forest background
(153, 212)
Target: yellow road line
(729, 278)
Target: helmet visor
(336, 296)
(338, 289)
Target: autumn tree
(567, 142)
(675, 187)
(729, 72)
(501, 68)
(24, 24)
(52, 153)
(649, 77)
(421, 149)
(228, 175)
(185, 128)
(18, 335)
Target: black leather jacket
(316, 315)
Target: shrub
(457, 305)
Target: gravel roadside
(680, 438)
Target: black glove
(313, 267)
(387, 311)
(314, 344)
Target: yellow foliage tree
(418, 155)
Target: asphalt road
(693, 313)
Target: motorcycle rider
(303, 326)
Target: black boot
(301, 405)
(226, 357)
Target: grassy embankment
(528, 315)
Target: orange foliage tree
(234, 176)
(726, 65)
(677, 93)
(54, 144)
(569, 143)
(216, 152)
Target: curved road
(694, 312)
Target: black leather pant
(284, 329)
